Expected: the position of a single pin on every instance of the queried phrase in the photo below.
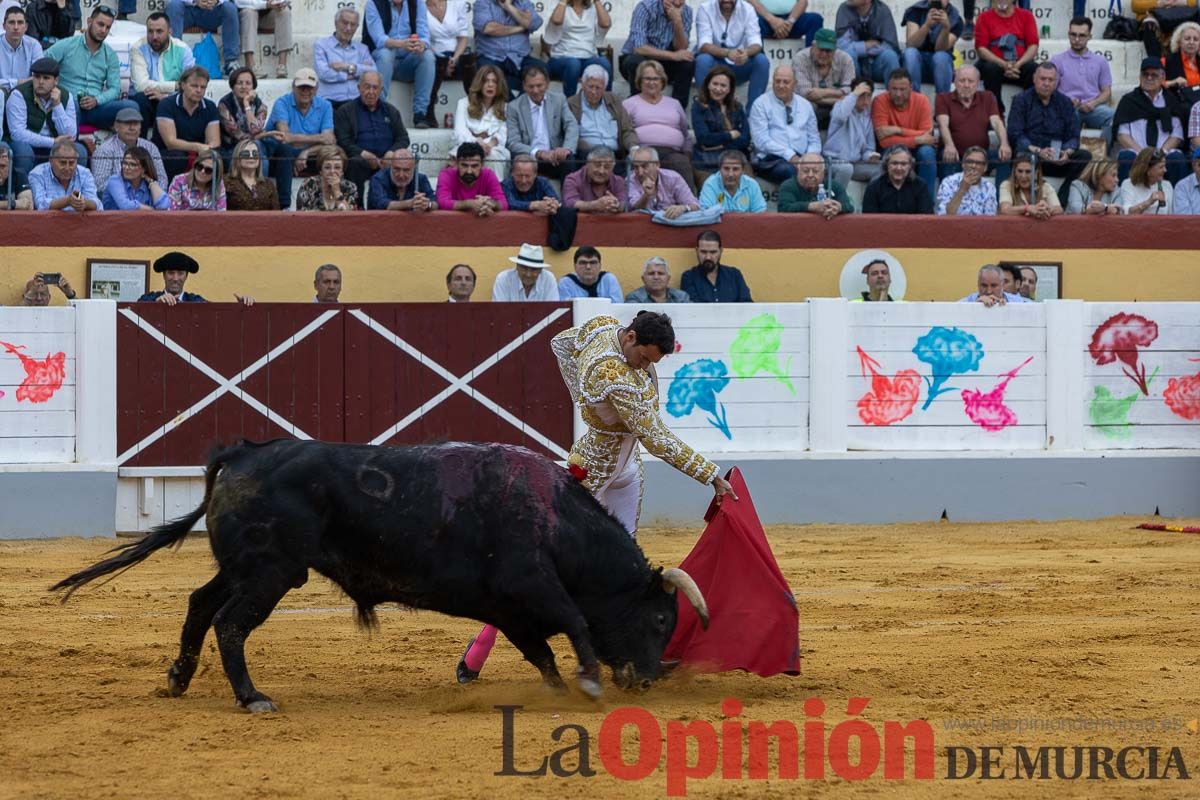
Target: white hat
(530, 256)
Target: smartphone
(51, 278)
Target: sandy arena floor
(1063, 622)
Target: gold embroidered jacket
(617, 401)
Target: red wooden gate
(195, 375)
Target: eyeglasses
(975, 162)
(788, 111)
(652, 78)
(250, 155)
(205, 168)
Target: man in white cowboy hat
(530, 279)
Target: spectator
(367, 128)
(106, 161)
(17, 51)
(1012, 278)
(540, 125)
(61, 184)
(40, 111)
(482, 117)
(660, 121)
(212, 16)
(525, 190)
(1042, 121)
(49, 22)
(243, 117)
(306, 122)
(1029, 281)
(589, 280)
(783, 19)
(808, 193)
(328, 284)
(250, 12)
(783, 127)
(1145, 191)
(990, 291)
(246, 189)
(902, 117)
(731, 188)
(879, 281)
(188, 122)
(328, 190)
(15, 194)
(964, 116)
(339, 61)
(1159, 19)
(656, 285)
(967, 193)
(866, 30)
(1006, 41)
(710, 281)
(502, 29)
(175, 268)
(593, 188)
(449, 34)
(824, 74)
(897, 191)
(1026, 193)
(91, 71)
(398, 186)
(603, 121)
(202, 188)
(467, 185)
(660, 31)
(1145, 105)
(137, 187)
(728, 30)
(1097, 191)
(1186, 198)
(530, 280)
(1085, 78)
(1194, 126)
(718, 119)
(850, 145)
(575, 30)
(397, 31)
(931, 27)
(157, 62)
(655, 188)
(1183, 64)
(37, 293)
(460, 283)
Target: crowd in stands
(848, 108)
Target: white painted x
(224, 385)
(462, 383)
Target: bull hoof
(590, 686)
(176, 686)
(261, 707)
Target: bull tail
(171, 533)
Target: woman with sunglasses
(136, 188)
(1146, 191)
(719, 120)
(1026, 193)
(660, 121)
(201, 188)
(246, 188)
(329, 190)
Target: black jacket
(345, 128)
(911, 198)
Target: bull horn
(675, 578)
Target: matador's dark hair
(653, 328)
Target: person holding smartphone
(37, 288)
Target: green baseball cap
(825, 39)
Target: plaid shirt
(650, 26)
(1194, 122)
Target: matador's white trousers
(622, 493)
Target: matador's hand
(721, 487)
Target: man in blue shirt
(187, 122)
(340, 60)
(61, 184)
(991, 289)
(402, 50)
(1043, 121)
(502, 29)
(731, 188)
(1187, 191)
(661, 30)
(17, 51)
(588, 280)
(710, 281)
(525, 190)
(399, 187)
(306, 122)
(91, 70)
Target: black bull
(491, 532)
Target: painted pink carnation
(1118, 339)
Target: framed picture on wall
(117, 279)
(1049, 273)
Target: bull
(493, 532)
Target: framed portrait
(117, 279)
(1049, 274)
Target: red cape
(753, 620)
